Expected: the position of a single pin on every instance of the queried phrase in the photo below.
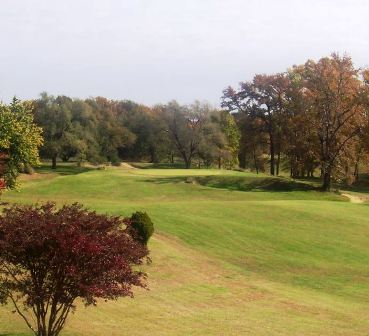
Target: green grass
(234, 253)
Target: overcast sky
(152, 51)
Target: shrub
(143, 226)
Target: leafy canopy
(49, 257)
(20, 140)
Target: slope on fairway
(226, 261)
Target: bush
(143, 226)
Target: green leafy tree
(233, 136)
(54, 116)
(109, 132)
(20, 140)
(151, 141)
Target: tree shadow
(144, 165)
(63, 170)
(15, 334)
(361, 186)
(236, 183)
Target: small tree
(20, 140)
(50, 257)
(143, 226)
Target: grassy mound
(252, 183)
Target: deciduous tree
(188, 128)
(49, 257)
(334, 91)
(264, 99)
(20, 140)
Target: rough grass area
(234, 254)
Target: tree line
(100, 130)
(311, 119)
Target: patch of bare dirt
(356, 198)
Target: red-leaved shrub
(49, 257)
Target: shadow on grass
(237, 183)
(361, 186)
(145, 165)
(62, 170)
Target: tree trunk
(292, 166)
(356, 172)
(242, 159)
(53, 164)
(255, 161)
(187, 163)
(272, 154)
(153, 156)
(326, 180)
(278, 161)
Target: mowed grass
(234, 253)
